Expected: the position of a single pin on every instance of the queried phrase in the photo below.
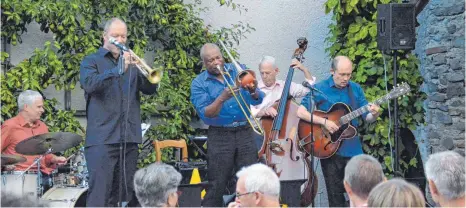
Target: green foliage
(354, 34)
(169, 29)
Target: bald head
(341, 61)
(342, 67)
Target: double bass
(280, 145)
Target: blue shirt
(349, 147)
(205, 88)
(110, 100)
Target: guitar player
(338, 88)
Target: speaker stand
(396, 171)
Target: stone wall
(441, 51)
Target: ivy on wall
(171, 30)
(354, 34)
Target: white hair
(210, 46)
(447, 171)
(27, 97)
(154, 184)
(268, 59)
(260, 178)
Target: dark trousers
(228, 149)
(104, 174)
(333, 169)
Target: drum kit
(69, 187)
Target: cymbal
(12, 159)
(40, 144)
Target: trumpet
(153, 75)
(243, 79)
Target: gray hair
(268, 59)
(260, 178)
(363, 173)
(208, 46)
(154, 184)
(447, 171)
(27, 98)
(110, 22)
(396, 193)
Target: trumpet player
(230, 135)
(113, 116)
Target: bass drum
(66, 197)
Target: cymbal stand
(39, 174)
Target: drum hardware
(39, 173)
(42, 145)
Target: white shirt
(274, 92)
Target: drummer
(23, 126)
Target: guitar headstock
(399, 90)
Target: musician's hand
(234, 205)
(128, 59)
(251, 87)
(270, 111)
(298, 65)
(227, 94)
(58, 160)
(330, 126)
(374, 109)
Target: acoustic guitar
(325, 143)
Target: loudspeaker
(396, 27)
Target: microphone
(306, 84)
(117, 44)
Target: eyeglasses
(238, 194)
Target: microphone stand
(121, 203)
(311, 109)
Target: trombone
(153, 75)
(243, 78)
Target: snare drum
(66, 197)
(27, 184)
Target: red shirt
(15, 130)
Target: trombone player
(230, 135)
(113, 116)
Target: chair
(159, 145)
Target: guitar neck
(358, 112)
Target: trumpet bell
(155, 76)
(245, 78)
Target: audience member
(156, 185)
(362, 174)
(257, 186)
(445, 172)
(13, 200)
(395, 193)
